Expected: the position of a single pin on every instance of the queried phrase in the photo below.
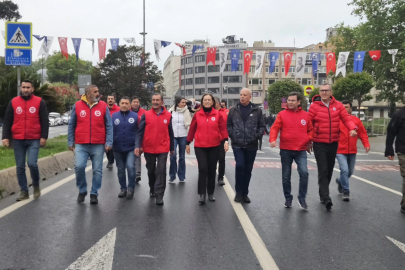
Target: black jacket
(245, 134)
(396, 128)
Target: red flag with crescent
(211, 54)
(247, 59)
(330, 62)
(287, 61)
(375, 55)
(63, 46)
(102, 46)
(182, 47)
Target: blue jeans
(181, 172)
(346, 164)
(125, 160)
(96, 154)
(287, 158)
(29, 148)
(244, 158)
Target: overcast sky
(180, 21)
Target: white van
(359, 115)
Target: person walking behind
(222, 153)
(125, 126)
(396, 131)
(295, 140)
(155, 134)
(181, 120)
(245, 126)
(136, 107)
(113, 108)
(224, 107)
(326, 113)
(347, 150)
(90, 132)
(26, 122)
(208, 127)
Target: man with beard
(113, 108)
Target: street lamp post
(317, 76)
(227, 95)
(69, 75)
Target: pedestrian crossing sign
(18, 35)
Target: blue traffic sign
(18, 57)
(18, 35)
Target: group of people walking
(127, 131)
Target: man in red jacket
(326, 113)
(295, 140)
(136, 107)
(347, 150)
(26, 122)
(155, 135)
(221, 161)
(113, 108)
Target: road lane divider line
(44, 191)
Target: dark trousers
(156, 166)
(325, 154)
(110, 156)
(221, 161)
(260, 142)
(244, 158)
(207, 159)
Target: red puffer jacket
(347, 144)
(326, 120)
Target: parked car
(65, 118)
(59, 121)
(52, 121)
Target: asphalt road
(54, 231)
(53, 132)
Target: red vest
(208, 132)
(294, 132)
(26, 124)
(114, 109)
(156, 139)
(90, 127)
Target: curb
(48, 167)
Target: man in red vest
(295, 139)
(113, 108)
(26, 121)
(90, 132)
(155, 135)
(222, 153)
(136, 107)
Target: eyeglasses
(324, 91)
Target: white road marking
(146, 256)
(99, 256)
(397, 243)
(44, 191)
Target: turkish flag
(247, 59)
(375, 55)
(102, 46)
(63, 46)
(287, 61)
(211, 54)
(182, 47)
(330, 62)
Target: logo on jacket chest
(131, 120)
(213, 118)
(334, 108)
(165, 121)
(32, 110)
(18, 110)
(117, 121)
(303, 122)
(82, 113)
(97, 113)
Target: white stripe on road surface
(263, 255)
(397, 243)
(44, 191)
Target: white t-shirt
(179, 129)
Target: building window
(189, 92)
(189, 60)
(200, 69)
(232, 90)
(213, 79)
(271, 81)
(323, 57)
(182, 61)
(308, 57)
(213, 90)
(232, 79)
(229, 67)
(213, 69)
(200, 80)
(292, 69)
(182, 72)
(189, 81)
(308, 70)
(322, 69)
(267, 70)
(182, 82)
(255, 81)
(257, 94)
(252, 69)
(182, 93)
(199, 58)
(199, 92)
(189, 70)
(217, 56)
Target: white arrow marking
(397, 243)
(99, 256)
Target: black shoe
(202, 199)
(288, 203)
(303, 204)
(339, 188)
(110, 166)
(81, 197)
(138, 179)
(346, 196)
(159, 200)
(221, 181)
(403, 210)
(238, 197)
(93, 199)
(246, 199)
(328, 205)
(211, 197)
(122, 193)
(130, 193)
(321, 201)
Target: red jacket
(140, 112)
(326, 121)
(114, 109)
(347, 144)
(156, 138)
(26, 122)
(296, 130)
(224, 113)
(90, 127)
(207, 129)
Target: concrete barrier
(48, 167)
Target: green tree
(9, 11)
(281, 89)
(120, 73)
(61, 70)
(355, 86)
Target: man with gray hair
(89, 134)
(245, 125)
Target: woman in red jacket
(208, 128)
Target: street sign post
(308, 89)
(18, 57)
(18, 35)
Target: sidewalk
(377, 144)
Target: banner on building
(315, 57)
(234, 59)
(211, 55)
(259, 62)
(273, 57)
(300, 64)
(287, 61)
(197, 47)
(330, 62)
(358, 61)
(341, 65)
(223, 56)
(247, 59)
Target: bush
(281, 89)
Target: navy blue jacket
(125, 126)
